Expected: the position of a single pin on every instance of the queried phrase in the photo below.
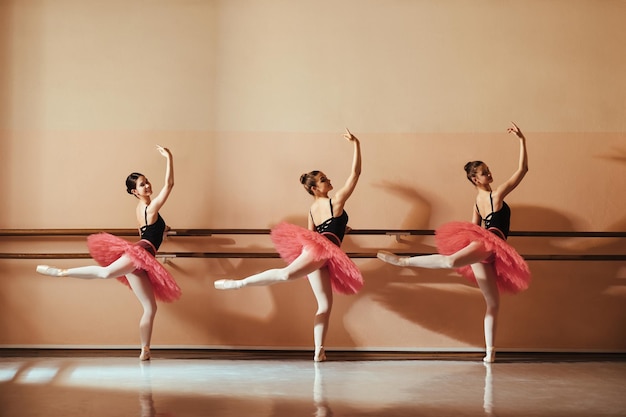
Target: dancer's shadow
(280, 316)
(196, 307)
(285, 315)
(199, 244)
(601, 244)
(290, 312)
(439, 300)
(442, 301)
(575, 284)
(379, 275)
(614, 155)
(591, 293)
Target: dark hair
(131, 181)
(309, 181)
(471, 168)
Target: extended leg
(320, 283)
(120, 267)
(486, 279)
(301, 266)
(472, 253)
(141, 286)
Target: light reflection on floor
(123, 386)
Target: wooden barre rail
(265, 255)
(259, 255)
(210, 232)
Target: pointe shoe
(391, 258)
(320, 355)
(227, 284)
(145, 354)
(490, 356)
(48, 270)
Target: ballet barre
(191, 232)
(211, 232)
(126, 232)
(167, 256)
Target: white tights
(473, 255)
(319, 279)
(139, 283)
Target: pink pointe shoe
(145, 354)
(490, 356)
(320, 355)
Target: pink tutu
(289, 240)
(512, 271)
(106, 248)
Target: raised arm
(522, 167)
(158, 201)
(345, 192)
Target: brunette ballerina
(482, 255)
(315, 252)
(134, 264)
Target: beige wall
(248, 95)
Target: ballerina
(482, 255)
(135, 264)
(315, 252)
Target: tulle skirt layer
(512, 270)
(289, 240)
(106, 248)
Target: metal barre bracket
(166, 257)
(397, 235)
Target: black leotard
(153, 233)
(334, 228)
(498, 222)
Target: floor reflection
(108, 386)
(322, 408)
(488, 395)
(146, 400)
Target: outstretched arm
(522, 167)
(158, 201)
(346, 191)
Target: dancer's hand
(515, 129)
(161, 198)
(349, 136)
(342, 195)
(164, 151)
(509, 185)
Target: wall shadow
(416, 294)
(549, 314)
(546, 315)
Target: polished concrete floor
(109, 384)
